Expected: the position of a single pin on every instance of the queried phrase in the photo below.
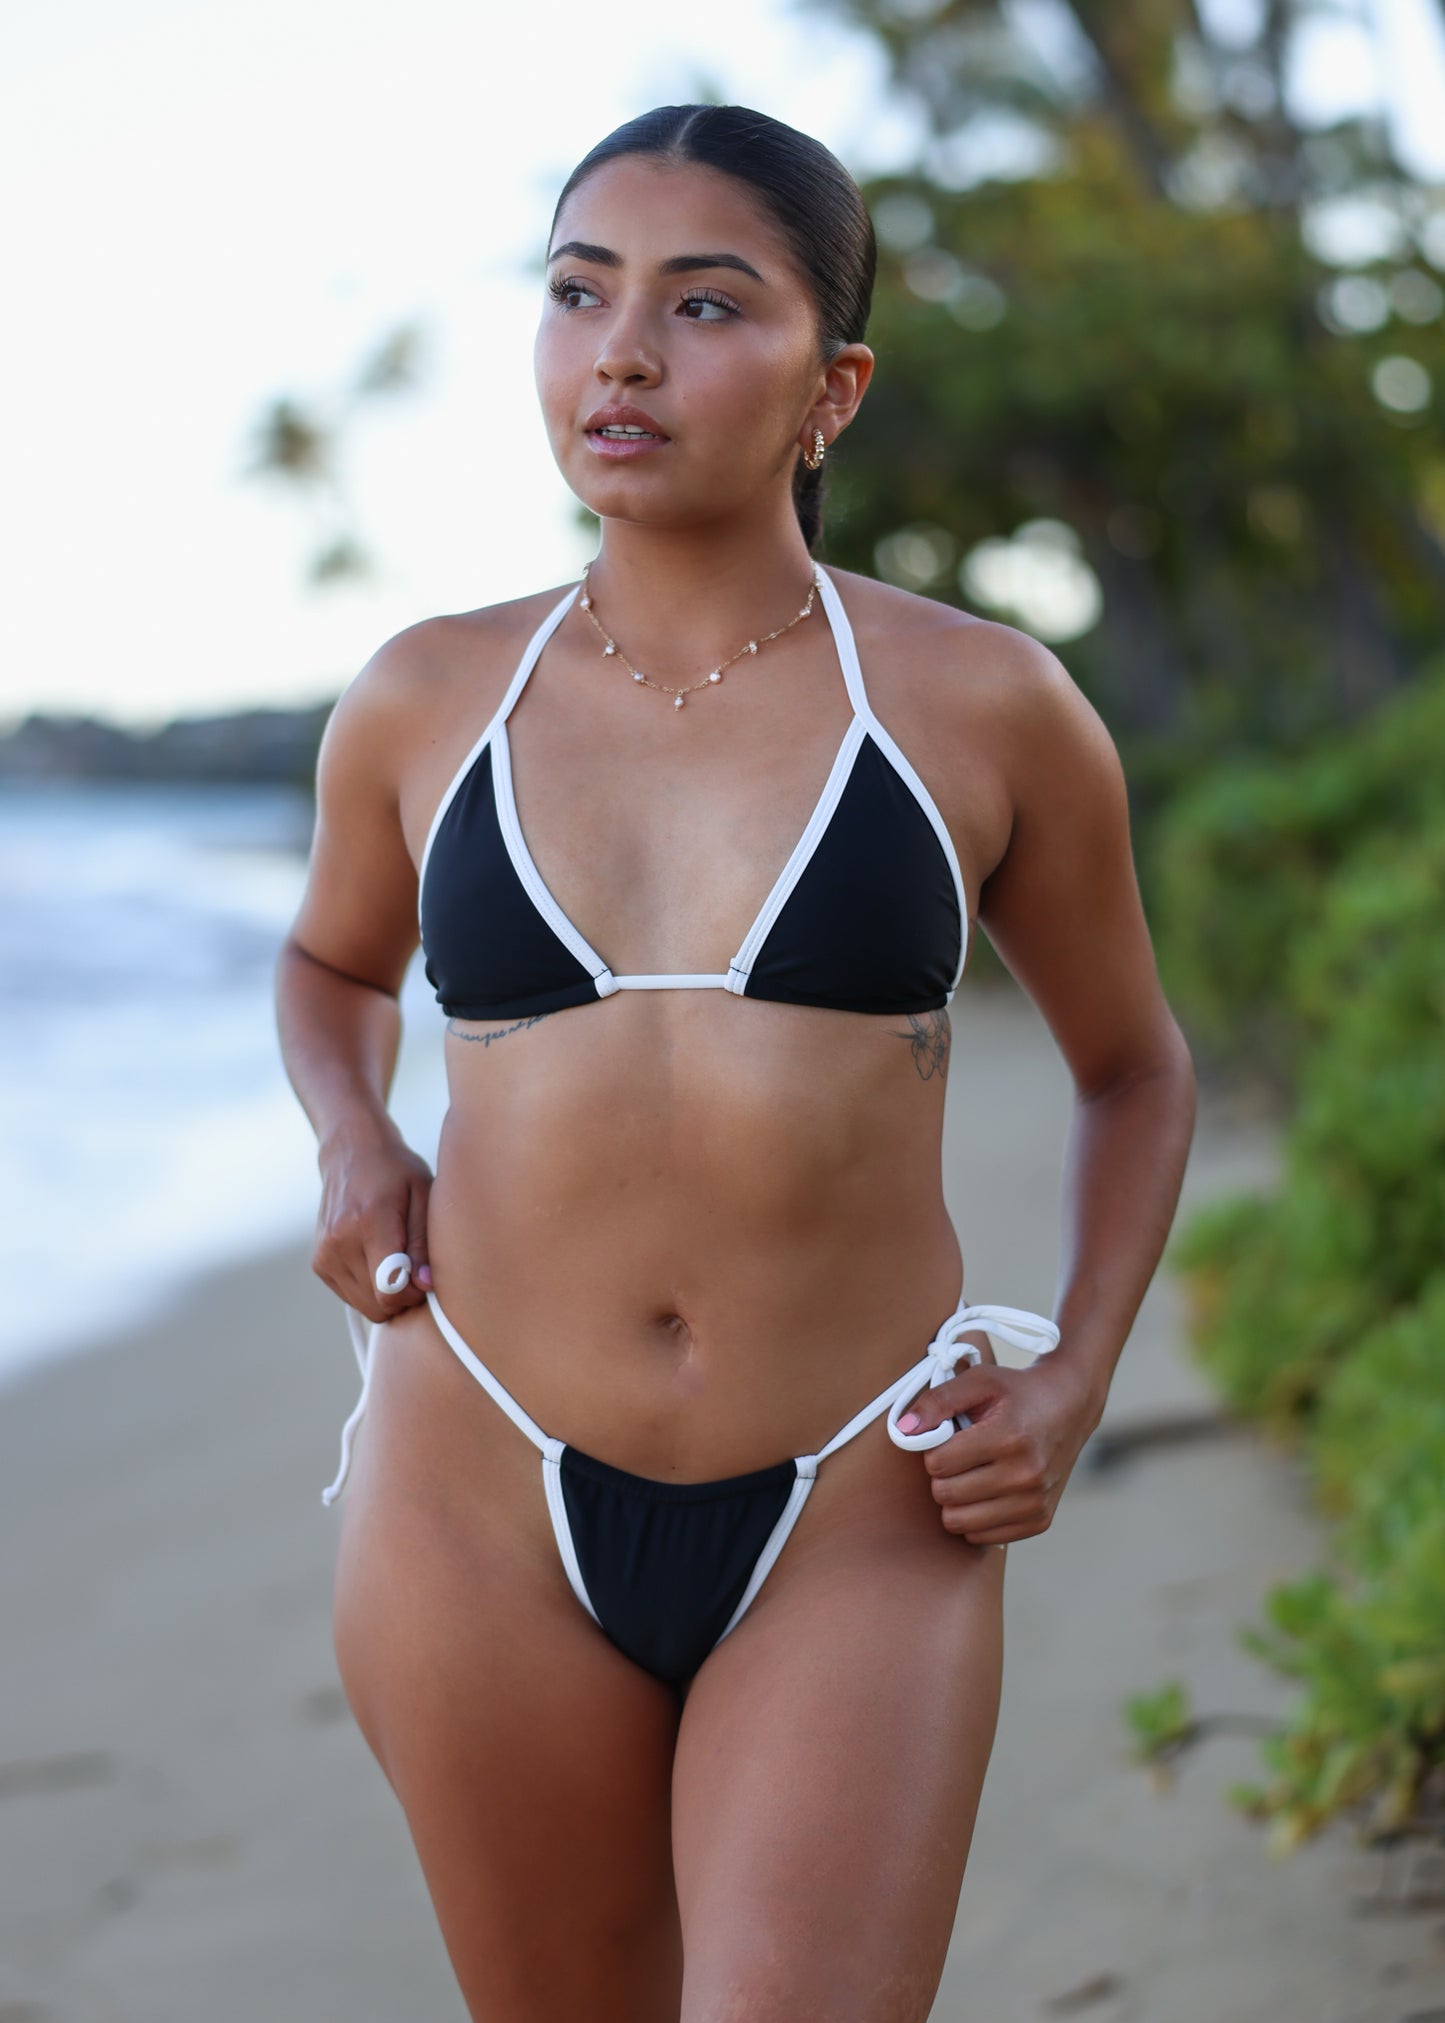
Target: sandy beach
(191, 1827)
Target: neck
(694, 594)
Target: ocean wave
(149, 1131)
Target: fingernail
(423, 1276)
(908, 1423)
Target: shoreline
(190, 1823)
(149, 1303)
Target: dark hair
(808, 194)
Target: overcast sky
(208, 203)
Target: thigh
(531, 1759)
(830, 1760)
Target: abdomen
(687, 1229)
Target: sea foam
(147, 1129)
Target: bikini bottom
(668, 1569)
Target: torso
(690, 1230)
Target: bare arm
(1062, 908)
(337, 982)
(339, 1040)
(1063, 911)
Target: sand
(191, 1827)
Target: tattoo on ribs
(486, 1039)
(928, 1036)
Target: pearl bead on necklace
(709, 680)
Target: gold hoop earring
(820, 445)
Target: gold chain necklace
(710, 680)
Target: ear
(843, 383)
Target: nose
(628, 351)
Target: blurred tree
(301, 446)
(1159, 369)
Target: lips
(618, 414)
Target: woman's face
(670, 291)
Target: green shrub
(1369, 1726)
(1279, 1287)
(1370, 986)
(1241, 867)
(1305, 912)
(1161, 1721)
(1378, 1447)
(1276, 1290)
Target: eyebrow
(680, 263)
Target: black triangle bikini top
(867, 915)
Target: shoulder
(940, 673)
(404, 693)
(424, 657)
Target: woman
(691, 1720)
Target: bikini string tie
(393, 1274)
(1018, 1327)
(1014, 1325)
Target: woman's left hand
(1000, 1478)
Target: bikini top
(867, 915)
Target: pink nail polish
(908, 1423)
(423, 1277)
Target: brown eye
(711, 296)
(563, 285)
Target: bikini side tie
(393, 1274)
(1014, 1325)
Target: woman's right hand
(374, 1192)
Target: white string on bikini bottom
(1014, 1325)
(393, 1274)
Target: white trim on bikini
(735, 978)
(864, 723)
(493, 1386)
(1015, 1325)
(562, 1527)
(778, 1537)
(858, 696)
(549, 1448)
(530, 655)
(714, 980)
(741, 966)
(525, 866)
